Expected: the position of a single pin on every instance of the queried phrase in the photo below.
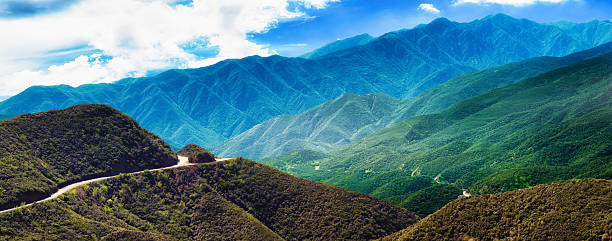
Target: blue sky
(50, 42)
(352, 17)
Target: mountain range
(550, 127)
(208, 105)
(351, 117)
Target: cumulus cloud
(134, 36)
(516, 3)
(428, 7)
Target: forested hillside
(232, 200)
(209, 105)
(554, 126)
(571, 210)
(44, 151)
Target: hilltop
(44, 151)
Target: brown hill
(571, 210)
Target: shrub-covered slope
(325, 127)
(572, 210)
(232, 200)
(551, 127)
(208, 105)
(43, 151)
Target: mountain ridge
(293, 132)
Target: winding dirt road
(183, 161)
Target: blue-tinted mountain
(347, 119)
(339, 45)
(208, 105)
(593, 32)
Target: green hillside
(232, 200)
(41, 152)
(556, 123)
(572, 210)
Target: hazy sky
(50, 42)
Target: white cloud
(516, 3)
(134, 36)
(428, 7)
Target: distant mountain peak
(339, 45)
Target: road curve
(183, 161)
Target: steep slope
(232, 200)
(573, 210)
(330, 125)
(339, 45)
(347, 119)
(208, 105)
(41, 152)
(550, 127)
